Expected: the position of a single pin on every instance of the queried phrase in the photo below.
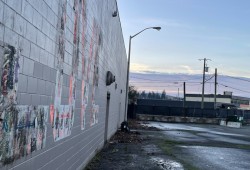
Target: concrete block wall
(66, 46)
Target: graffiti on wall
(22, 128)
(90, 70)
(93, 68)
(31, 122)
(84, 103)
(85, 87)
(62, 122)
(75, 57)
(60, 53)
(62, 116)
(23, 131)
(9, 75)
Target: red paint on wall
(83, 36)
(75, 22)
(70, 89)
(51, 111)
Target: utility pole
(205, 69)
(215, 88)
(178, 94)
(184, 94)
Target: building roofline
(241, 98)
(209, 95)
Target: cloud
(236, 73)
(184, 69)
(189, 69)
(162, 22)
(171, 83)
(137, 68)
(143, 68)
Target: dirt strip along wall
(54, 58)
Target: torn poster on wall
(94, 63)
(9, 74)
(55, 109)
(23, 131)
(62, 121)
(89, 64)
(62, 116)
(8, 113)
(85, 87)
(84, 103)
(22, 128)
(75, 57)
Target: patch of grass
(168, 146)
(188, 166)
(243, 146)
(126, 148)
(129, 157)
(114, 150)
(93, 163)
(192, 132)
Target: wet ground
(176, 146)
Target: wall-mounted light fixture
(115, 13)
(110, 78)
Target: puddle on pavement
(173, 126)
(151, 149)
(184, 136)
(224, 139)
(216, 157)
(167, 164)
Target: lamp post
(128, 66)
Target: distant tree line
(133, 95)
(152, 95)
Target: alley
(207, 146)
(156, 145)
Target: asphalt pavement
(176, 146)
(207, 146)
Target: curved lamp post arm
(157, 28)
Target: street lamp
(128, 66)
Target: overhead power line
(209, 78)
(238, 78)
(234, 88)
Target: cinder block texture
(81, 41)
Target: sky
(173, 84)
(191, 30)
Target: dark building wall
(55, 55)
(170, 103)
(192, 109)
